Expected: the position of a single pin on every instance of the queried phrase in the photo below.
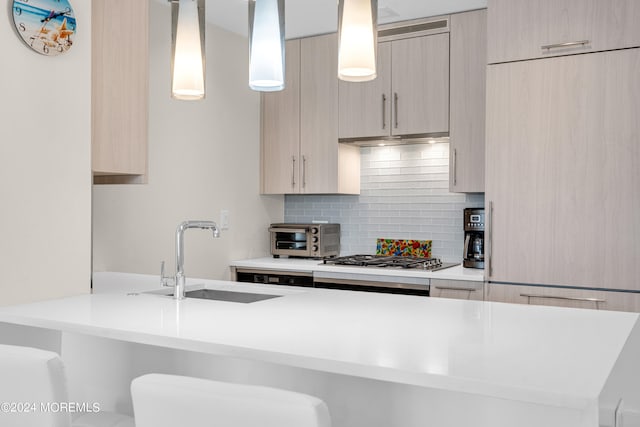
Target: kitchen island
(377, 359)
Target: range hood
(396, 140)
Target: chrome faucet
(180, 279)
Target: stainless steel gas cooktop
(384, 261)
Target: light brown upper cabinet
(365, 107)
(525, 29)
(410, 95)
(120, 88)
(281, 130)
(468, 99)
(300, 150)
(563, 171)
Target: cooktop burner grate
(390, 262)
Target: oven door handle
(287, 230)
(389, 285)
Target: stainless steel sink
(231, 296)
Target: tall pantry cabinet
(563, 145)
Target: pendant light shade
(266, 45)
(358, 40)
(188, 50)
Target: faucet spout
(180, 278)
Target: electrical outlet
(224, 219)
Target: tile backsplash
(404, 195)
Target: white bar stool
(169, 400)
(33, 384)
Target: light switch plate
(224, 219)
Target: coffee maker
(473, 238)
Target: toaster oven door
(290, 242)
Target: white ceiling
(309, 17)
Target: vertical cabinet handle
(455, 167)
(384, 111)
(293, 171)
(395, 108)
(490, 241)
(304, 171)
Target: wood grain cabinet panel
(457, 289)
(518, 29)
(324, 169)
(365, 107)
(468, 100)
(410, 95)
(120, 90)
(563, 171)
(280, 121)
(420, 85)
(300, 149)
(563, 297)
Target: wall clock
(46, 26)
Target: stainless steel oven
(334, 280)
(305, 240)
(368, 273)
(372, 283)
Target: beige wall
(203, 157)
(45, 182)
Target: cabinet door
(420, 85)
(519, 29)
(563, 297)
(468, 99)
(457, 289)
(281, 130)
(319, 114)
(365, 107)
(563, 170)
(120, 90)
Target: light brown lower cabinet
(563, 297)
(457, 289)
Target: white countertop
(314, 265)
(545, 355)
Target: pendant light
(266, 45)
(358, 40)
(187, 82)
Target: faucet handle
(165, 280)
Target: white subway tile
(404, 194)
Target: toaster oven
(305, 240)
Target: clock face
(46, 26)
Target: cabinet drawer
(563, 297)
(457, 289)
(525, 29)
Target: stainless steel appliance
(384, 261)
(473, 256)
(305, 240)
(387, 283)
(354, 276)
